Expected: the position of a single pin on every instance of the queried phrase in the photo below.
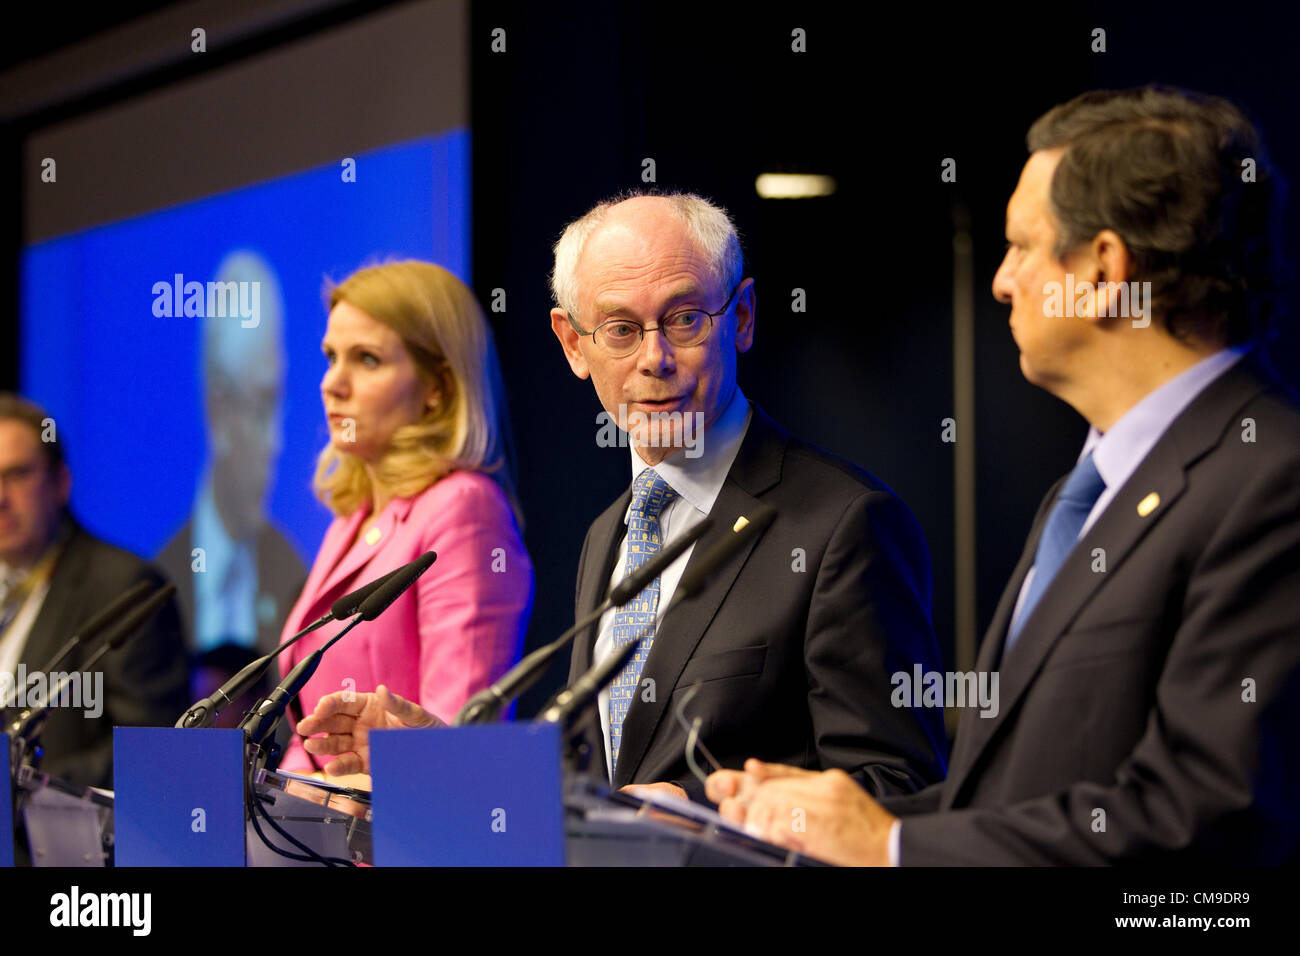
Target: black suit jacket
(1150, 710)
(145, 680)
(794, 639)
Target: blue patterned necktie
(1073, 505)
(636, 619)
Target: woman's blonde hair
(444, 330)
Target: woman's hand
(346, 718)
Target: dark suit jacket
(1151, 710)
(145, 680)
(793, 654)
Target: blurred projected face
(244, 437)
(371, 387)
(31, 497)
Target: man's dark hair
(16, 408)
(1166, 170)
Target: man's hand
(644, 789)
(821, 814)
(347, 719)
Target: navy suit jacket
(1150, 710)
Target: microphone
(26, 728)
(573, 701)
(348, 604)
(204, 713)
(391, 589)
(260, 723)
(486, 705)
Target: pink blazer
(450, 635)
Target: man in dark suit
(54, 575)
(1147, 640)
(782, 651)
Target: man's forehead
(624, 260)
(18, 442)
(1028, 205)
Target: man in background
(54, 575)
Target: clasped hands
(822, 814)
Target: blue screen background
(125, 387)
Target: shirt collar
(1119, 451)
(699, 480)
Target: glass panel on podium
(66, 824)
(608, 828)
(332, 821)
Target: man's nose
(1002, 286)
(656, 355)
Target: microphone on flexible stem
(26, 729)
(572, 702)
(260, 723)
(204, 713)
(487, 704)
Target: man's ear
(569, 341)
(1110, 262)
(745, 306)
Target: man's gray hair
(710, 226)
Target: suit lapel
(352, 557)
(757, 467)
(598, 564)
(1118, 530)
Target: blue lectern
(179, 796)
(468, 796)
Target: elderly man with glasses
(788, 648)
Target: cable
(256, 807)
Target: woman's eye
(369, 360)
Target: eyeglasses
(619, 337)
(692, 728)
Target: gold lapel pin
(740, 523)
(1148, 504)
(372, 535)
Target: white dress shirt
(14, 639)
(697, 482)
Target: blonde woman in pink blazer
(417, 461)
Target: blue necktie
(1073, 505)
(636, 619)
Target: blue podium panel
(7, 811)
(468, 796)
(179, 796)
